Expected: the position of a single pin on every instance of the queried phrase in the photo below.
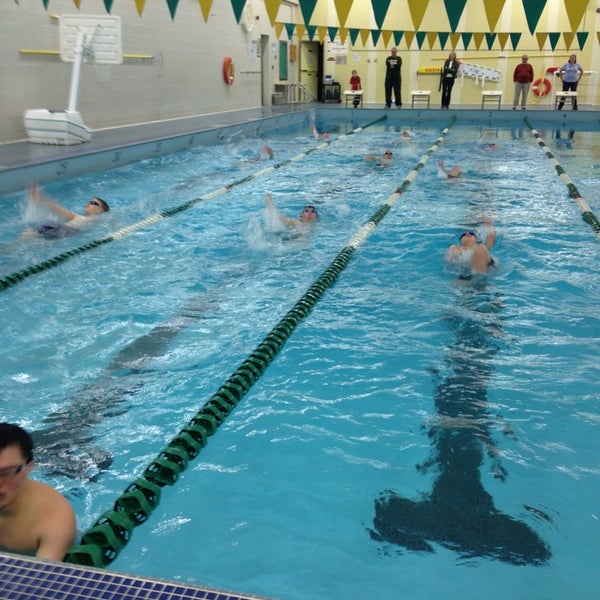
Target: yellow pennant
(321, 32)
(278, 29)
(205, 6)
(300, 29)
(77, 3)
(386, 36)
(342, 8)
(493, 9)
(364, 36)
(417, 10)
(454, 39)
(575, 11)
(139, 4)
(502, 39)
(409, 36)
(431, 38)
(541, 39)
(478, 38)
(343, 33)
(568, 37)
(272, 7)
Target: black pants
(447, 84)
(569, 87)
(393, 84)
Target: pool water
(417, 435)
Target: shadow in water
(459, 513)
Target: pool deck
(27, 578)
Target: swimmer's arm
(271, 207)
(37, 196)
(491, 236)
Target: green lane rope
(14, 278)
(103, 541)
(588, 216)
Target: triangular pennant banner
(45, 2)
(380, 8)
(455, 9)
(238, 8)
(541, 39)
(432, 37)
(466, 39)
(417, 10)
(420, 35)
(311, 29)
(354, 35)
(398, 37)
(307, 7)
(107, 4)
(332, 33)
(278, 30)
(490, 38)
(342, 7)
(554, 37)
(493, 9)
(375, 33)
(172, 4)
(443, 37)
(343, 34)
(409, 36)
(77, 3)
(454, 39)
(139, 5)
(364, 36)
(205, 6)
(502, 38)
(598, 36)
(575, 11)
(300, 29)
(582, 37)
(478, 38)
(289, 27)
(386, 35)
(533, 12)
(321, 32)
(272, 7)
(568, 37)
(514, 38)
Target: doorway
(311, 67)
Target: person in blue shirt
(570, 74)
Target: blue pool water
(415, 436)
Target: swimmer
(382, 161)
(72, 221)
(308, 215)
(452, 173)
(472, 256)
(318, 135)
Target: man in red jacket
(522, 77)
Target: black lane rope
(588, 216)
(103, 541)
(18, 276)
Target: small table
(563, 96)
(420, 96)
(494, 96)
(350, 94)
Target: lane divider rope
(588, 216)
(18, 276)
(104, 540)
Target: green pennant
(107, 5)
(398, 35)
(45, 3)
(514, 39)
(238, 8)
(420, 35)
(490, 38)
(582, 38)
(290, 27)
(455, 9)
(533, 12)
(380, 8)
(553, 37)
(443, 37)
(466, 39)
(375, 34)
(332, 33)
(172, 4)
(308, 8)
(354, 35)
(311, 30)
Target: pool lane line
(103, 541)
(588, 216)
(14, 278)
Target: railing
(300, 94)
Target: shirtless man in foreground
(35, 519)
(472, 250)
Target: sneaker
(514, 108)
(387, 106)
(522, 108)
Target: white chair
(563, 96)
(420, 96)
(350, 94)
(491, 95)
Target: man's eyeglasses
(388, 153)
(9, 472)
(311, 209)
(94, 203)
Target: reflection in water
(459, 513)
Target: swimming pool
(395, 414)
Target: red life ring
(228, 70)
(541, 87)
